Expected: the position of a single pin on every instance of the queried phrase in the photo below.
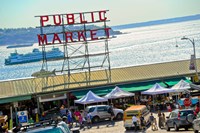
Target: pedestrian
(155, 127)
(142, 123)
(160, 122)
(76, 115)
(69, 119)
(64, 119)
(163, 119)
(80, 120)
(112, 115)
(169, 107)
(63, 110)
(135, 121)
(196, 110)
(151, 118)
(89, 120)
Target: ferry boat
(36, 55)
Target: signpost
(23, 117)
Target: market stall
(157, 90)
(89, 98)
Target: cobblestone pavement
(118, 128)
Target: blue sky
(20, 13)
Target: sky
(21, 13)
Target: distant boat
(36, 55)
(19, 45)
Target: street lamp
(195, 62)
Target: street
(119, 128)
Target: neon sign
(71, 36)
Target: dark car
(178, 119)
(59, 128)
(50, 114)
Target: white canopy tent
(181, 86)
(157, 89)
(90, 97)
(118, 93)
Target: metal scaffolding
(78, 56)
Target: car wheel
(176, 127)
(95, 119)
(119, 116)
(196, 131)
(167, 127)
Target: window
(131, 113)
(185, 113)
(174, 114)
(91, 109)
(102, 109)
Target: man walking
(110, 110)
(134, 121)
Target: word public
(72, 19)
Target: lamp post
(195, 62)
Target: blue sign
(23, 119)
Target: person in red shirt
(197, 109)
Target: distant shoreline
(18, 46)
(157, 22)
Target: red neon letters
(71, 19)
(69, 37)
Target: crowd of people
(78, 117)
(153, 122)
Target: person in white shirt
(134, 121)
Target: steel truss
(79, 57)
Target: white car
(100, 112)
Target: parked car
(136, 110)
(196, 125)
(100, 112)
(179, 119)
(59, 128)
(49, 114)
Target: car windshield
(46, 130)
(185, 113)
(90, 109)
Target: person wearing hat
(64, 118)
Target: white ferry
(36, 55)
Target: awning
(98, 91)
(134, 87)
(14, 99)
(142, 86)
